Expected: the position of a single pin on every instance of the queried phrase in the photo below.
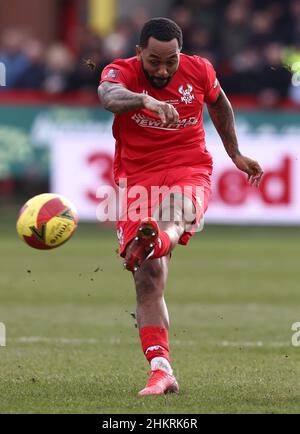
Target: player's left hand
(249, 166)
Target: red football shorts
(153, 191)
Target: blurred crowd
(249, 42)
(252, 43)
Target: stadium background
(232, 293)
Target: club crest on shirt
(187, 96)
(112, 73)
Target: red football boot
(159, 383)
(143, 244)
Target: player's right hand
(166, 112)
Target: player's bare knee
(177, 207)
(189, 210)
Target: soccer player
(157, 98)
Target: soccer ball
(47, 221)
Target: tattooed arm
(221, 114)
(117, 99)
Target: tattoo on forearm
(221, 114)
(118, 99)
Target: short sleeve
(115, 74)
(212, 88)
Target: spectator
(12, 55)
(84, 77)
(59, 68)
(235, 32)
(262, 28)
(295, 22)
(183, 16)
(200, 41)
(34, 74)
(274, 78)
(244, 73)
(91, 52)
(116, 44)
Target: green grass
(72, 347)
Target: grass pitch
(72, 347)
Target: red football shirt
(143, 143)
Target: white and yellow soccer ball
(47, 221)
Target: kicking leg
(153, 323)
(150, 278)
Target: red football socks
(155, 342)
(162, 246)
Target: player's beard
(157, 82)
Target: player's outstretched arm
(221, 114)
(117, 99)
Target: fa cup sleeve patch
(112, 73)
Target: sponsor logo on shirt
(112, 73)
(147, 122)
(171, 101)
(187, 96)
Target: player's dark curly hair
(162, 29)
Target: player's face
(160, 61)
